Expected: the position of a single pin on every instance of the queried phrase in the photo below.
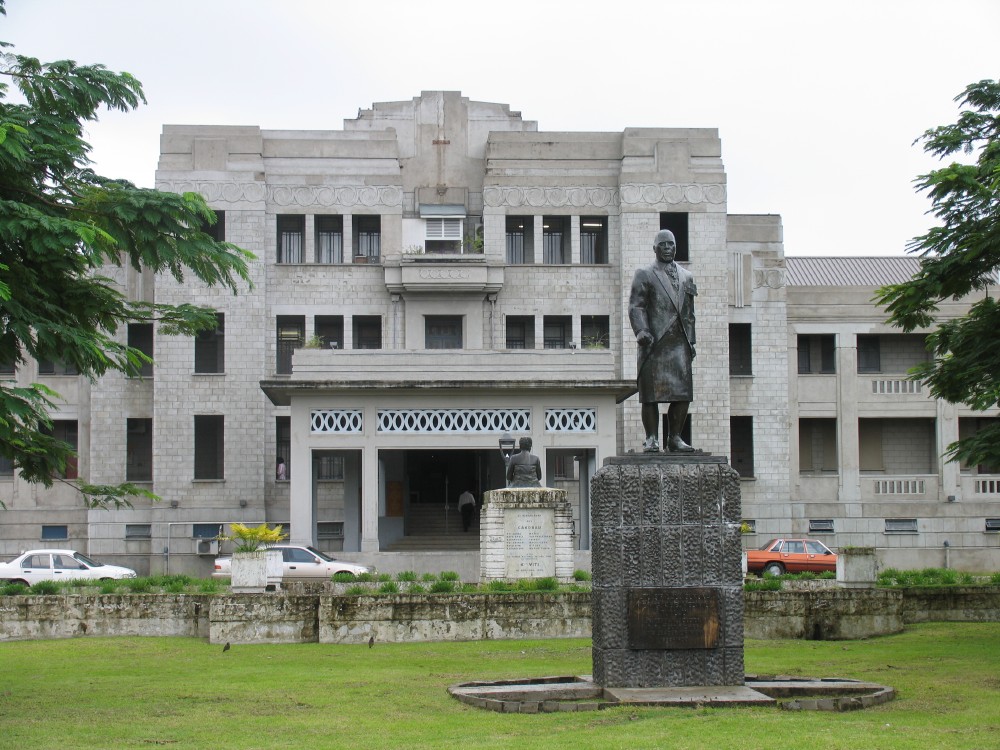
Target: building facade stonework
(439, 272)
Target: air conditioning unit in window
(208, 547)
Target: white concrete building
(439, 272)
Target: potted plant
(254, 567)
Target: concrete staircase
(431, 529)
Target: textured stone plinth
(667, 579)
(526, 532)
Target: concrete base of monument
(579, 693)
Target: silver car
(58, 565)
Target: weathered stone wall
(829, 614)
(952, 604)
(254, 618)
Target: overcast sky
(817, 103)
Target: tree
(960, 257)
(60, 224)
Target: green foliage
(60, 225)
(960, 257)
(138, 585)
(428, 577)
(498, 586)
(108, 587)
(469, 588)
(449, 575)
(442, 587)
(889, 577)
(211, 585)
(357, 590)
(769, 583)
(828, 575)
(13, 589)
(383, 577)
(343, 577)
(581, 575)
(253, 538)
(363, 577)
(995, 579)
(547, 584)
(44, 588)
(406, 575)
(416, 588)
(388, 587)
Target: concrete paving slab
(716, 695)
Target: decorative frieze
(303, 196)
(429, 421)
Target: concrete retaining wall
(828, 614)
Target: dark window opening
(330, 331)
(367, 231)
(595, 331)
(520, 332)
(138, 531)
(139, 450)
(367, 331)
(283, 447)
(741, 445)
(555, 239)
(869, 354)
(329, 239)
(67, 431)
(740, 349)
(291, 336)
(205, 530)
(677, 222)
(817, 353)
(329, 468)
(291, 238)
(593, 239)
(55, 531)
(210, 348)
(56, 367)
(209, 444)
(216, 231)
(520, 239)
(557, 331)
(443, 332)
(821, 526)
(140, 336)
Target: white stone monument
(526, 532)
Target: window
(330, 530)
(139, 450)
(818, 445)
(205, 530)
(140, 336)
(520, 332)
(291, 336)
(595, 331)
(216, 231)
(563, 466)
(593, 239)
(66, 431)
(210, 348)
(555, 239)
(901, 526)
(283, 444)
(330, 468)
(330, 331)
(677, 222)
(740, 349)
(368, 238)
(138, 531)
(56, 367)
(869, 354)
(329, 239)
(209, 442)
(557, 331)
(817, 354)
(820, 526)
(367, 332)
(993, 525)
(6, 466)
(443, 332)
(60, 531)
(741, 445)
(291, 238)
(6, 368)
(968, 427)
(443, 235)
(520, 245)
(748, 526)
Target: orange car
(791, 556)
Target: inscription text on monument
(673, 618)
(529, 537)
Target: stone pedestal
(526, 532)
(667, 584)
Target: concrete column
(536, 235)
(302, 511)
(574, 240)
(369, 496)
(847, 418)
(947, 433)
(348, 330)
(348, 240)
(309, 251)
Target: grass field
(186, 693)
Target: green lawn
(186, 693)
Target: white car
(58, 565)
(300, 564)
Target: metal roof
(850, 271)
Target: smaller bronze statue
(524, 469)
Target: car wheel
(773, 569)
(19, 580)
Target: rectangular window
(968, 427)
(555, 239)
(741, 445)
(367, 239)
(6, 368)
(442, 331)
(593, 239)
(740, 349)
(993, 525)
(676, 222)
(210, 348)
(330, 331)
(330, 530)
(520, 332)
(205, 530)
(367, 331)
(216, 231)
(282, 447)
(563, 466)
(55, 532)
(330, 468)
(291, 331)
(520, 245)
(140, 336)
(595, 331)
(6, 466)
(291, 238)
(821, 526)
(56, 367)
(67, 431)
(329, 239)
(209, 445)
(901, 526)
(817, 354)
(139, 450)
(818, 445)
(557, 331)
(869, 354)
(443, 235)
(138, 531)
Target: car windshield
(321, 555)
(767, 545)
(87, 561)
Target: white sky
(817, 102)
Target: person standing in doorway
(280, 472)
(467, 506)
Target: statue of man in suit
(661, 310)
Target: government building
(440, 275)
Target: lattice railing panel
(429, 421)
(571, 420)
(337, 420)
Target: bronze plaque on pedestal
(673, 618)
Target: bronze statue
(661, 310)
(524, 469)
